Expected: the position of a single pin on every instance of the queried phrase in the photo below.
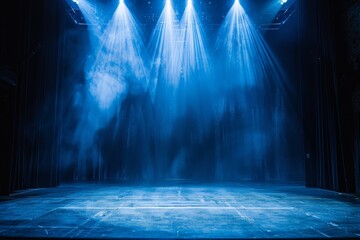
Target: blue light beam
(119, 62)
(247, 55)
(194, 59)
(165, 49)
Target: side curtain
(32, 49)
(328, 120)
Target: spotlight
(189, 2)
(76, 1)
(283, 1)
(237, 2)
(168, 2)
(121, 2)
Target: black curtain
(7, 107)
(329, 124)
(351, 79)
(31, 47)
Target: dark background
(319, 47)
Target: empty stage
(244, 210)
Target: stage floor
(245, 210)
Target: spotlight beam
(122, 53)
(194, 57)
(164, 49)
(244, 46)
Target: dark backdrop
(33, 107)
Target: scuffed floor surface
(243, 210)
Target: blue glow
(89, 9)
(165, 49)
(183, 210)
(119, 60)
(182, 103)
(246, 53)
(194, 60)
(272, 9)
